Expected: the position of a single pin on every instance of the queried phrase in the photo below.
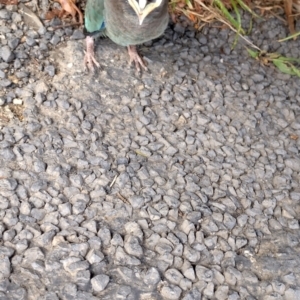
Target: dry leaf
(294, 137)
(9, 2)
(53, 13)
(70, 7)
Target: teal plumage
(94, 16)
(126, 22)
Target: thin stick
(122, 198)
(113, 181)
(66, 25)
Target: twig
(66, 25)
(123, 199)
(113, 181)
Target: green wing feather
(94, 15)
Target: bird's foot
(136, 58)
(89, 59)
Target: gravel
(181, 183)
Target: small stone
(105, 236)
(78, 207)
(132, 246)
(94, 256)
(39, 166)
(124, 293)
(55, 39)
(77, 266)
(278, 287)
(13, 43)
(5, 267)
(179, 28)
(6, 54)
(4, 203)
(30, 41)
(65, 209)
(192, 295)
(21, 246)
(99, 192)
(136, 201)
(5, 83)
(4, 14)
(8, 184)
(38, 185)
(77, 35)
(83, 279)
(99, 282)
(209, 290)
(171, 151)
(222, 292)
(171, 292)
(185, 284)
(293, 163)
(204, 273)
(240, 242)
(41, 87)
(126, 273)
(45, 239)
(117, 240)
(191, 254)
(6, 251)
(174, 276)
(121, 258)
(50, 70)
(17, 101)
(152, 276)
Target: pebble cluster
(179, 184)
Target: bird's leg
(89, 58)
(136, 58)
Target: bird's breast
(122, 24)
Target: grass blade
(283, 67)
(252, 53)
(227, 15)
(292, 36)
(296, 70)
(247, 8)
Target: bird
(127, 23)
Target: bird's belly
(133, 34)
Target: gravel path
(182, 183)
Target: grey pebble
(55, 39)
(121, 258)
(77, 35)
(173, 276)
(13, 43)
(5, 82)
(5, 267)
(132, 246)
(6, 54)
(8, 184)
(152, 277)
(171, 292)
(50, 69)
(136, 201)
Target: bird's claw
(136, 58)
(90, 61)
(89, 57)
